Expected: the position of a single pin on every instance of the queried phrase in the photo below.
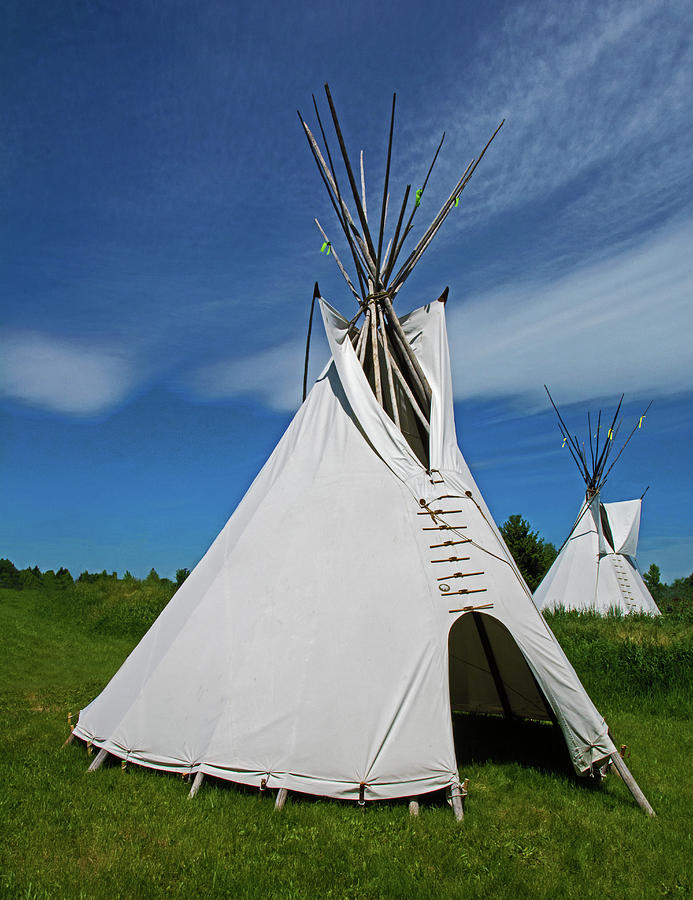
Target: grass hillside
(531, 829)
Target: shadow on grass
(483, 738)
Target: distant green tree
(88, 577)
(532, 554)
(49, 581)
(153, 576)
(652, 579)
(64, 578)
(31, 578)
(677, 597)
(181, 575)
(9, 576)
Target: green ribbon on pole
(418, 197)
(326, 246)
(457, 201)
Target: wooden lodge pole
(631, 783)
(410, 355)
(98, 761)
(457, 805)
(197, 783)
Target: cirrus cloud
(63, 376)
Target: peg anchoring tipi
(361, 593)
(596, 569)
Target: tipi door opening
(498, 710)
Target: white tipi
(357, 597)
(596, 569)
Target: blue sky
(159, 251)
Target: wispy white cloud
(597, 102)
(272, 376)
(63, 376)
(623, 324)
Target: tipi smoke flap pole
(316, 294)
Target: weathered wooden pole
(98, 761)
(197, 783)
(631, 783)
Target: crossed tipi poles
(383, 350)
(594, 457)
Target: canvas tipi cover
(596, 570)
(353, 601)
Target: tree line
(533, 555)
(16, 579)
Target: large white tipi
(596, 569)
(360, 594)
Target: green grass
(531, 829)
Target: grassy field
(531, 829)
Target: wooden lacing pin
(263, 784)
(471, 591)
(362, 794)
(443, 527)
(459, 575)
(450, 543)
(471, 608)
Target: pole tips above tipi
(595, 457)
(388, 360)
(374, 259)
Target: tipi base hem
(300, 783)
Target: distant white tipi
(360, 594)
(596, 569)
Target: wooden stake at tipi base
(322, 671)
